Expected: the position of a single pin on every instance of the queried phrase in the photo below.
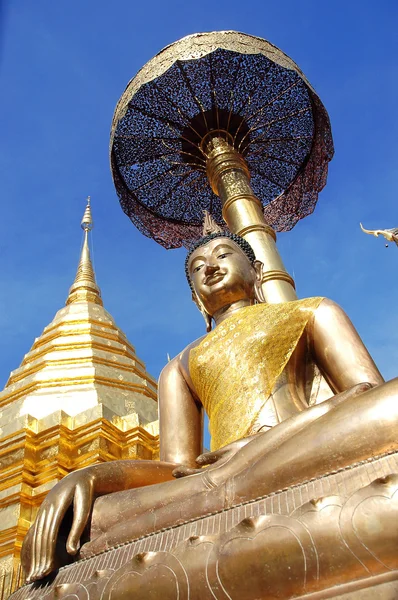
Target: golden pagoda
(80, 396)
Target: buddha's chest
(245, 362)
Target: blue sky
(63, 66)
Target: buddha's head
(221, 269)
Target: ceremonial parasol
(231, 85)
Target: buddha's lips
(214, 278)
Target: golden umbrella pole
(229, 178)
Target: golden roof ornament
(391, 235)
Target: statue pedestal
(331, 537)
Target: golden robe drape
(235, 367)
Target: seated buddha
(251, 374)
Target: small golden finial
(84, 287)
(391, 235)
(87, 220)
(209, 224)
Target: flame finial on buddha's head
(209, 224)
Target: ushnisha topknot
(211, 231)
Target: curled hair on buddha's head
(211, 231)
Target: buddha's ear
(258, 290)
(202, 309)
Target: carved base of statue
(331, 537)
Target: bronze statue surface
(360, 420)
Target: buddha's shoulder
(328, 305)
(180, 362)
(329, 310)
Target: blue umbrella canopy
(221, 80)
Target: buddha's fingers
(182, 471)
(36, 545)
(209, 458)
(27, 553)
(54, 519)
(43, 545)
(82, 502)
(47, 543)
(218, 457)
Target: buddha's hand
(38, 549)
(217, 458)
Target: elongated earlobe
(202, 309)
(258, 289)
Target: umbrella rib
(194, 179)
(260, 110)
(133, 136)
(177, 108)
(232, 91)
(164, 156)
(282, 139)
(164, 199)
(198, 102)
(213, 91)
(284, 160)
(146, 113)
(282, 93)
(204, 184)
(184, 152)
(248, 98)
(162, 140)
(194, 145)
(140, 187)
(267, 125)
(292, 114)
(170, 123)
(181, 216)
(181, 137)
(272, 140)
(182, 164)
(142, 162)
(262, 174)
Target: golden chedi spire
(84, 287)
(81, 395)
(82, 359)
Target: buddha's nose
(210, 267)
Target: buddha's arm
(180, 417)
(339, 351)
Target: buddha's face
(221, 274)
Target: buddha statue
(251, 374)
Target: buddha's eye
(224, 255)
(196, 269)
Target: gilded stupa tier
(80, 396)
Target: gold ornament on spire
(87, 220)
(391, 235)
(209, 224)
(84, 288)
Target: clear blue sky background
(63, 66)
